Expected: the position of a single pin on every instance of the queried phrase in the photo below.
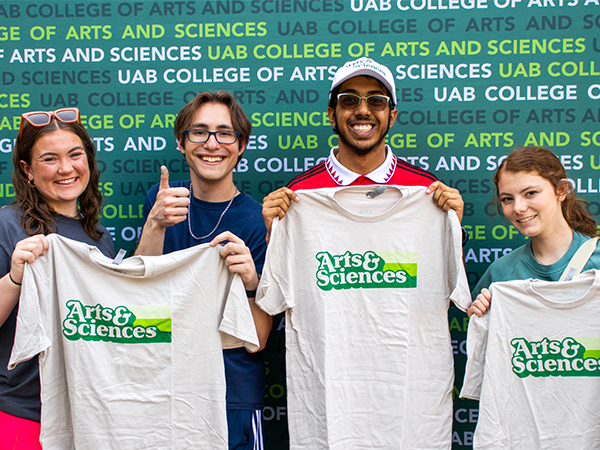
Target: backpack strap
(579, 259)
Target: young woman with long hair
(533, 193)
(55, 180)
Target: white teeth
(212, 158)
(362, 127)
(526, 219)
(70, 180)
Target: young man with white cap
(362, 108)
(368, 354)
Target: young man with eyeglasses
(361, 109)
(212, 132)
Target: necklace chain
(218, 223)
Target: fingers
(171, 205)
(433, 187)
(226, 236)
(282, 196)
(233, 245)
(289, 193)
(238, 258)
(475, 309)
(277, 204)
(482, 303)
(487, 295)
(443, 193)
(447, 198)
(164, 178)
(27, 251)
(232, 249)
(31, 248)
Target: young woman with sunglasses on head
(533, 193)
(56, 188)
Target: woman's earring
(32, 183)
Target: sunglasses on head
(43, 118)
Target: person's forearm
(263, 323)
(152, 240)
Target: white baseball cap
(365, 66)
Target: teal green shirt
(520, 264)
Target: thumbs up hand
(164, 178)
(171, 206)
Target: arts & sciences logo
(571, 357)
(370, 270)
(125, 325)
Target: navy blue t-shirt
(244, 371)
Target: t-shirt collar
(344, 177)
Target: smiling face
(361, 130)
(59, 168)
(531, 203)
(211, 164)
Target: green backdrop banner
(475, 79)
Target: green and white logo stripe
(147, 316)
(592, 347)
(396, 261)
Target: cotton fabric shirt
(539, 383)
(366, 285)
(130, 354)
(20, 388)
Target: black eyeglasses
(374, 102)
(43, 118)
(199, 136)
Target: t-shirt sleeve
(275, 293)
(106, 244)
(10, 233)
(237, 323)
(33, 321)
(457, 275)
(477, 337)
